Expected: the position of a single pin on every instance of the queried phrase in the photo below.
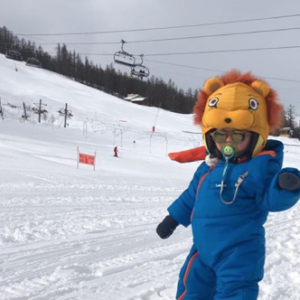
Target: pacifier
(228, 152)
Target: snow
(69, 233)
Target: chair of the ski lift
(124, 58)
(33, 62)
(15, 55)
(140, 71)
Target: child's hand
(166, 227)
(289, 181)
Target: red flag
(86, 159)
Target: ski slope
(69, 233)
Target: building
(136, 98)
(285, 131)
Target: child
(232, 192)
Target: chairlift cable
(200, 52)
(222, 51)
(163, 28)
(214, 35)
(214, 70)
(183, 38)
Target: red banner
(190, 155)
(86, 159)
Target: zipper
(199, 185)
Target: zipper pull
(241, 179)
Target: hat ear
(212, 84)
(261, 87)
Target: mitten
(166, 227)
(289, 181)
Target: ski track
(283, 260)
(73, 235)
(111, 257)
(104, 246)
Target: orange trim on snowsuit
(267, 152)
(186, 274)
(199, 185)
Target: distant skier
(116, 152)
(232, 192)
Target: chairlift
(142, 60)
(15, 55)
(124, 58)
(140, 71)
(33, 62)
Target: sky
(69, 233)
(278, 67)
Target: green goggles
(220, 136)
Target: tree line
(158, 93)
(108, 79)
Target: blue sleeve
(182, 208)
(277, 199)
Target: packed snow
(76, 233)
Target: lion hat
(238, 101)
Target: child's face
(238, 139)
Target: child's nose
(229, 138)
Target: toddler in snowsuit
(232, 192)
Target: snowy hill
(69, 233)
(30, 84)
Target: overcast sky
(71, 16)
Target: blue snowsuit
(227, 258)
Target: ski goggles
(220, 136)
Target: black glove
(289, 181)
(166, 227)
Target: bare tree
(290, 116)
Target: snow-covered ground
(69, 233)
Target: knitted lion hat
(239, 101)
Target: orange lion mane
(274, 107)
